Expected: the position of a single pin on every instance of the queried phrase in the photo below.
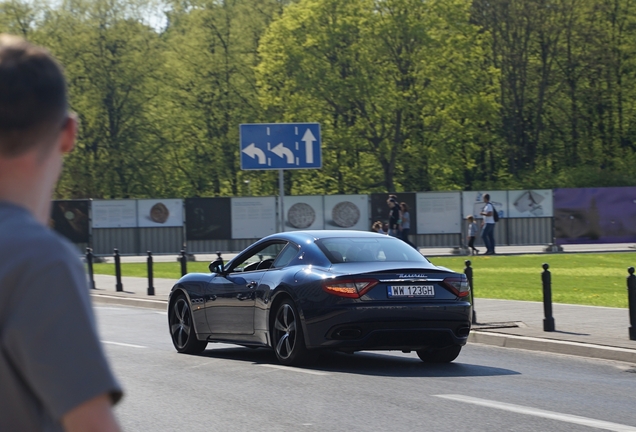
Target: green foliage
(393, 85)
(411, 95)
(113, 63)
(211, 54)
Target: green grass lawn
(167, 270)
(590, 279)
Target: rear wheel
(182, 331)
(287, 335)
(443, 355)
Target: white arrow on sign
(280, 150)
(253, 151)
(309, 139)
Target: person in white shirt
(488, 226)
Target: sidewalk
(427, 252)
(587, 331)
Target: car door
(230, 303)
(231, 296)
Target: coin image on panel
(159, 213)
(345, 214)
(301, 215)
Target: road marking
(123, 344)
(293, 369)
(520, 409)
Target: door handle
(252, 285)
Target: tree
(113, 62)
(370, 73)
(212, 51)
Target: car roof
(322, 234)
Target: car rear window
(361, 249)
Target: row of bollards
(119, 286)
(546, 280)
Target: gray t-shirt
(51, 359)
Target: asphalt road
(231, 388)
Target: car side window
(259, 259)
(288, 254)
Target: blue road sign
(267, 146)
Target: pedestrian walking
(472, 233)
(54, 375)
(488, 225)
(405, 218)
(394, 216)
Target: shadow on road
(366, 363)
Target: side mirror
(216, 266)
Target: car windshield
(380, 249)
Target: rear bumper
(388, 327)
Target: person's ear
(69, 132)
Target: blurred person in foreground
(53, 372)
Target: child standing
(472, 232)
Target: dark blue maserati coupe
(304, 291)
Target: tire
(182, 332)
(443, 355)
(288, 339)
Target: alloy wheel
(286, 331)
(181, 323)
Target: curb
(553, 346)
(130, 301)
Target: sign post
(281, 146)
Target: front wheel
(443, 355)
(182, 331)
(287, 335)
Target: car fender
(196, 303)
(288, 292)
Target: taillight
(352, 288)
(458, 285)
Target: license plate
(411, 291)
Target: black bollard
(151, 287)
(468, 271)
(184, 262)
(119, 286)
(546, 278)
(89, 263)
(631, 301)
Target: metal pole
(89, 262)
(119, 286)
(468, 271)
(151, 287)
(631, 299)
(281, 194)
(546, 278)
(184, 263)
